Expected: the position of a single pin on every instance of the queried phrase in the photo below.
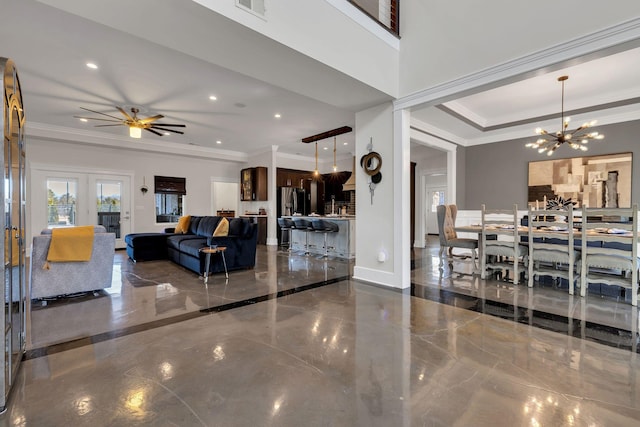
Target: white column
(402, 198)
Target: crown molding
(88, 137)
(607, 38)
(442, 135)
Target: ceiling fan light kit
(577, 139)
(135, 124)
(135, 132)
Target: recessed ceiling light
(326, 148)
(167, 133)
(84, 120)
(345, 143)
(218, 142)
(92, 65)
(277, 115)
(213, 97)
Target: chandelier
(577, 139)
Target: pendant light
(335, 166)
(315, 172)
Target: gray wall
(496, 174)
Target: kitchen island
(340, 245)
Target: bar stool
(286, 224)
(324, 227)
(304, 225)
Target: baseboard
(378, 277)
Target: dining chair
(446, 215)
(610, 249)
(505, 252)
(551, 246)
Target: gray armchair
(448, 236)
(63, 278)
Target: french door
(62, 198)
(112, 208)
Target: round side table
(213, 250)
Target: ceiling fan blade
(151, 119)
(168, 130)
(98, 118)
(98, 112)
(124, 113)
(167, 124)
(153, 131)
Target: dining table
(604, 234)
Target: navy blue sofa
(184, 249)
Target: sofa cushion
(235, 226)
(177, 240)
(195, 222)
(247, 228)
(207, 225)
(222, 229)
(192, 246)
(183, 224)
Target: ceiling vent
(254, 6)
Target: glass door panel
(112, 206)
(108, 205)
(62, 198)
(14, 294)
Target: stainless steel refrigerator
(291, 200)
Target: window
(170, 192)
(61, 202)
(437, 198)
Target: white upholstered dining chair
(446, 215)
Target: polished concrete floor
(295, 342)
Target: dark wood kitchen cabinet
(253, 184)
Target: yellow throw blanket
(70, 244)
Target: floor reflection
(601, 317)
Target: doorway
(224, 197)
(63, 198)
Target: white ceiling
(145, 63)
(51, 48)
(606, 89)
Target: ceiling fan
(135, 124)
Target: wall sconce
(144, 187)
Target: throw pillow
(183, 224)
(222, 229)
